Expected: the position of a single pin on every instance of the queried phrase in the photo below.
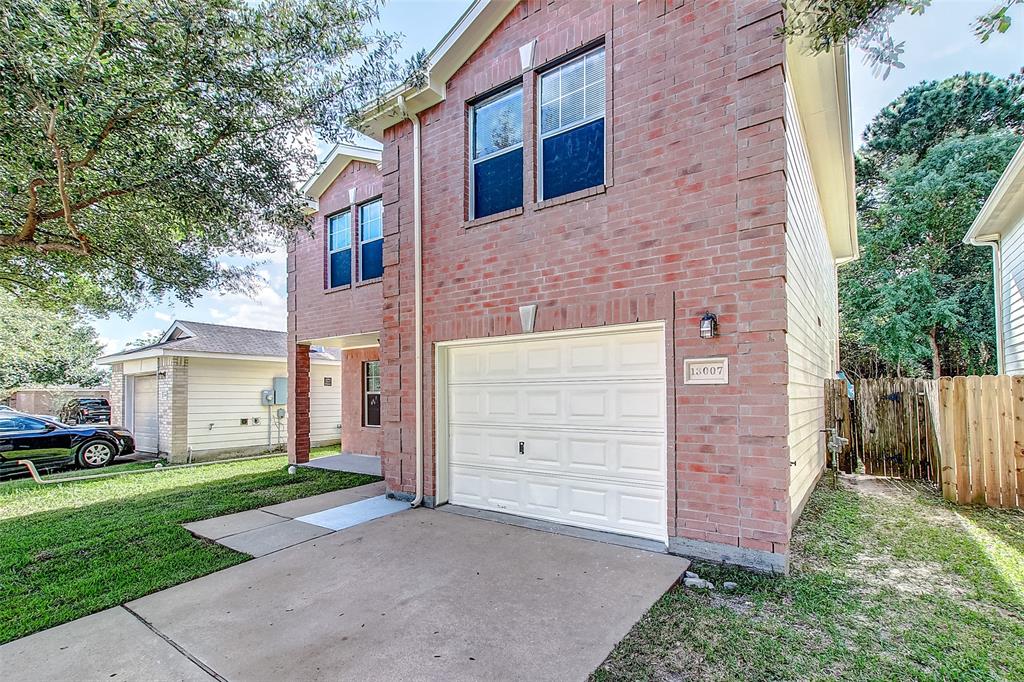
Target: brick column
(116, 398)
(298, 389)
(172, 402)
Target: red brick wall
(313, 311)
(298, 403)
(356, 438)
(692, 219)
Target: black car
(49, 444)
(86, 411)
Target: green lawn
(71, 549)
(888, 583)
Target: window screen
(371, 240)
(497, 158)
(339, 250)
(572, 125)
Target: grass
(72, 549)
(887, 583)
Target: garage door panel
(590, 413)
(628, 405)
(624, 456)
(589, 504)
(631, 354)
(144, 417)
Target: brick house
(611, 230)
(335, 295)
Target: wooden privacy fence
(963, 433)
(982, 437)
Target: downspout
(417, 237)
(997, 292)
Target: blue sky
(938, 44)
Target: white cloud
(164, 317)
(266, 309)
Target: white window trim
(331, 252)
(472, 143)
(541, 136)
(362, 242)
(367, 393)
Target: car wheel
(95, 454)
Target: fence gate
(890, 425)
(965, 434)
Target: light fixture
(708, 326)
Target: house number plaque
(706, 371)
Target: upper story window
(496, 165)
(339, 250)
(371, 240)
(571, 146)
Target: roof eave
(1004, 207)
(458, 45)
(822, 88)
(336, 161)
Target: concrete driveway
(417, 595)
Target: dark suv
(86, 411)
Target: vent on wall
(328, 381)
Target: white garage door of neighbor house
(569, 429)
(145, 414)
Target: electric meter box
(280, 390)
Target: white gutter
(417, 237)
(997, 291)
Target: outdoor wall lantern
(708, 326)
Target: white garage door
(568, 429)
(145, 414)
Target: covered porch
(359, 422)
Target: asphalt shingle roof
(220, 338)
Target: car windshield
(100, 402)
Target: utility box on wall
(267, 396)
(280, 390)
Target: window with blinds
(572, 104)
(496, 163)
(339, 250)
(371, 240)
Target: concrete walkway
(258, 532)
(418, 595)
(356, 464)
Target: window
(496, 164)
(10, 423)
(371, 393)
(339, 250)
(572, 126)
(371, 240)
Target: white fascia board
(170, 330)
(457, 46)
(159, 352)
(331, 168)
(822, 89)
(1004, 207)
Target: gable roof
(457, 46)
(1004, 208)
(331, 167)
(202, 339)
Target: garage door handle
(522, 448)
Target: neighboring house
(207, 390)
(49, 400)
(1000, 225)
(576, 191)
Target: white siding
(324, 404)
(811, 312)
(1012, 253)
(223, 392)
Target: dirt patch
(909, 577)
